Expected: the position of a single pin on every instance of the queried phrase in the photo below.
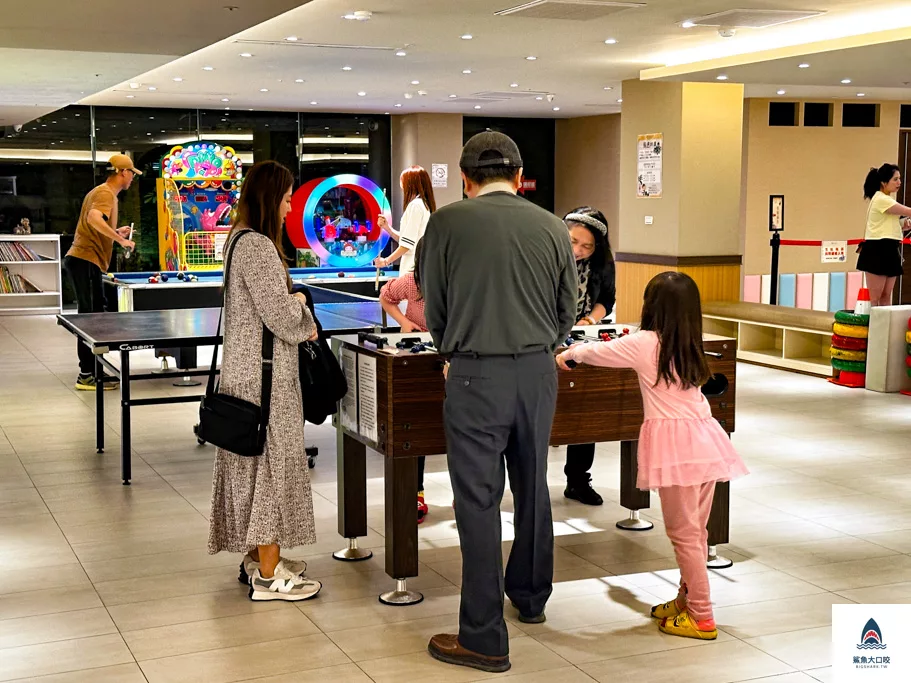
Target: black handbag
(322, 380)
(228, 422)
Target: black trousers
(498, 415)
(579, 460)
(86, 280)
(421, 473)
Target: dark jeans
(497, 415)
(86, 280)
(579, 460)
(421, 473)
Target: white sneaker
(284, 585)
(248, 565)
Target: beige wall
(650, 107)
(587, 167)
(699, 210)
(710, 169)
(820, 171)
(424, 140)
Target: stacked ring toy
(849, 348)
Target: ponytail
(877, 177)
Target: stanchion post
(773, 285)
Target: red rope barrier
(818, 243)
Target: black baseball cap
(505, 151)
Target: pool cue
(376, 287)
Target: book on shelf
(17, 251)
(14, 283)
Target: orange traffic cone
(862, 307)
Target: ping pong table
(124, 333)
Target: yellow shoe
(684, 625)
(668, 610)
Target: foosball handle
(379, 341)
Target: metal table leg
(352, 497)
(99, 404)
(631, 497)
(126, 441)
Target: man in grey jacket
(498, 279)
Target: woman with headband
(597, 294)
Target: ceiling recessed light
(291, 39)
(467, 36)
(452, 97)
(620, 101)
(477, 106)
(861, 94)
(227, 108)
(208, 68)
(556, 108)
(134, 86)
(346, 68)
(610, 41)
(130, 97)
(246, 54)
(415, 82)
(721, 77)
(398, 105)
(385, 113)
(513, 85)
(152, 88)
(687, 24)
(360, 15)
(466, 71)
(803, 65)
(362, 94)
(401, 53)
(781, 92)
(314, 103)
(539, 98)
(264, 89)
(845, 81)
(608, 87)
(177, 79)
(225, 99)
(298, 80)
(531, 58)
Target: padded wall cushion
(849, 365)
(851, 318)
(856, 331)
(852, 343)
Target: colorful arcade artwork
(197, 191)
(334, 220)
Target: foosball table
(394, 407)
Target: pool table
(126, 292)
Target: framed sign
(649, 150)
(776, 213)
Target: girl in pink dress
(683, 451)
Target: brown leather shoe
(445, 647)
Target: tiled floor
(104, 583)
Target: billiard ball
(341, 275)
(180, 276)
(164, 277)
(153, 280)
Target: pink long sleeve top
(680, 443)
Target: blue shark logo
(872, 638)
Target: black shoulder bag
(228, 422)
(323, 383)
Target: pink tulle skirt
(685, 452)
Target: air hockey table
(125, 292)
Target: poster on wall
(834, 252)
(649, 149)
(439, 175)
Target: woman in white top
(419, 204)
(880, 253)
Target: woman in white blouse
(419, 204)
(880, 252)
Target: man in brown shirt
(93, 246)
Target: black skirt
(880, 257)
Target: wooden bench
(776, 336)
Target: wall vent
(753, 18)
(568, 10)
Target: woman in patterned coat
(262, 504)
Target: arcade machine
(197, 191)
